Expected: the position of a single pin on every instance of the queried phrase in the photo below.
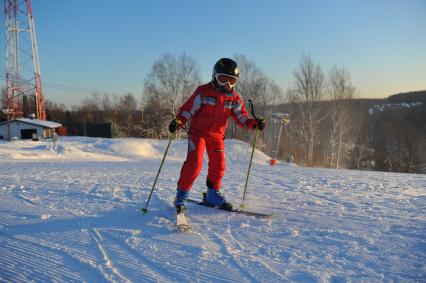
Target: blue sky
(109, 46)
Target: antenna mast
(23, 80)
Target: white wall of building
(16, 127)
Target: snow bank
(121, 149)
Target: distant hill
(406, 100)
(413, 96)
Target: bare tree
(91, 106)
(308, 92)
(253, 83)
(3, 98)
(361, 152)
(276, 94)
(109, 106)
(172, 79)
(247, 87)
(54, 111)
(420, 153)
(154, 124)
(340, 92)
(127, 114)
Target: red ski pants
(194, 162)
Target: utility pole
(23, 78)
(283, 119)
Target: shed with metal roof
(24, 128)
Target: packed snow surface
(72, 214)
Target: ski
(235, 210)
(181, 223)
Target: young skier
(207, 112)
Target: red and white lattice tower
(23, 81)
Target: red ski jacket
(208, 111)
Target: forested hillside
(378, 134)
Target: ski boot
(181, 197)
(216, 198)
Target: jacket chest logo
(209, 100)
(228, 104)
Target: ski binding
(181, 223)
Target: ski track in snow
(74, 215)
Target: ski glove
(174, 125)
(260, 124)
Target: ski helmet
(225, 74)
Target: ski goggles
(226, 79)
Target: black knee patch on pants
(209, 184)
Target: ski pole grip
(251, 105)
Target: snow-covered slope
(73, 214)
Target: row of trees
(322, 123)
(328, 126)
(124, 112)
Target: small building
(24, 128)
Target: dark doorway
(28, 134)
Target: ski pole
(145, 210)
(252, 153)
